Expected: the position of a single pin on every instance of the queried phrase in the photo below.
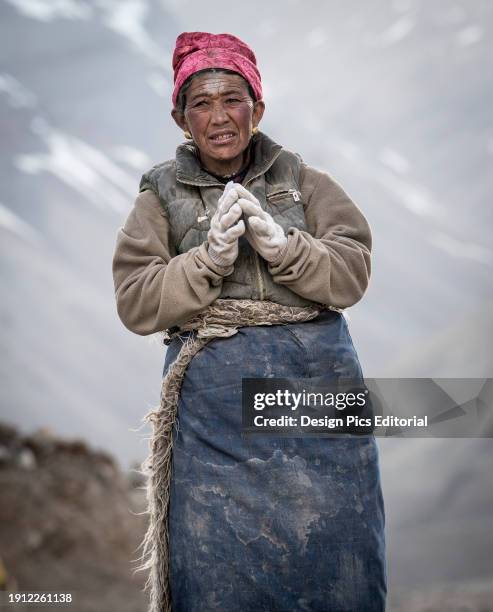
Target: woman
(247, 257)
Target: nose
(219, 116)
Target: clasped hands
(262, 232)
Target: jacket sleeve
(154, 287)
(331, 262)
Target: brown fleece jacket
(156, 289)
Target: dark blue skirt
(272, 524)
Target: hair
(181, 99)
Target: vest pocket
(276, 196)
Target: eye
(232, 100)
(200, 103)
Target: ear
(258, 112)
(179, 119)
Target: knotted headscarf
(196, 51)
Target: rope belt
(220, 320)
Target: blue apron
(263, 523)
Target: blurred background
(394, 99)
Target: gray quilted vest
(189, 196)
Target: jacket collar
(188, 169)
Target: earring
(187, 135)
(254, 130)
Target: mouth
(223, 138)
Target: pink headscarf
(196, 51)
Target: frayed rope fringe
(221, 319)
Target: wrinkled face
(220, 115)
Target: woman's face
(220, 115)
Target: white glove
(262, 232)
(224, 231)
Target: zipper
(259, 275)
(207, 212)
(279, 195)
(206, 215)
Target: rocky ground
(68, 522)
(468, 598)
